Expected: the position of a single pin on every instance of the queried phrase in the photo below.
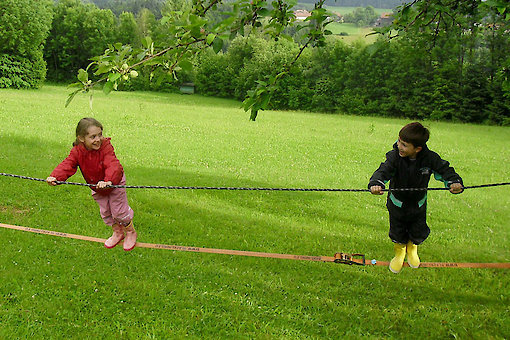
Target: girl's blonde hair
(83, 127)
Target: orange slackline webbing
(338, 257)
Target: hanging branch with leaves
(190, 32)
(259, 98)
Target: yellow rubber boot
(398, 261)
(412, 255)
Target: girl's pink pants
(114, 207)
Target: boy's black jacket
(405, 173)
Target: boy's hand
(456, 188)
(103, 184)
(376, 190)
(51, 181)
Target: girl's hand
(51, 181)
(103, 184)
(456, 188)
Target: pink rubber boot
(130, 241)
(118, 235)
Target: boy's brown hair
(415, 133)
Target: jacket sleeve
(385, 171)
(444, 172)
(113, 168)
(67, 168)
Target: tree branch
(423, 11)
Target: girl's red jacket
(95, 165)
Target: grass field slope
(56, 288)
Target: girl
(96, 158)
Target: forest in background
(155, 6)
(455, 75)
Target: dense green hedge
(24, 26)
(396, 79)
(20, 72)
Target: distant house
(385, 19)
(337, 17)
(302, 14)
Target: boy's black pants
(408, 223)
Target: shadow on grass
(270, 221)
(299, 220)
(305, 223)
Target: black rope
(250, 189)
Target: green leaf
(165, 19)
(248, 103)
(217, 44)
(112, 77)
(140, 55)
(103, 68)
(210, 38)
(71, 96)
(253, 115)
(80, 85)
(108, 87)
(265, 100)
(146, 42)
(264, 12)
(83, 76)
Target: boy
(410, 165)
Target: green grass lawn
(354, 32)
(61, 288)
(346, 10)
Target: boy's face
(406, 149)
(93, 139)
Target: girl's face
(93, 139)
